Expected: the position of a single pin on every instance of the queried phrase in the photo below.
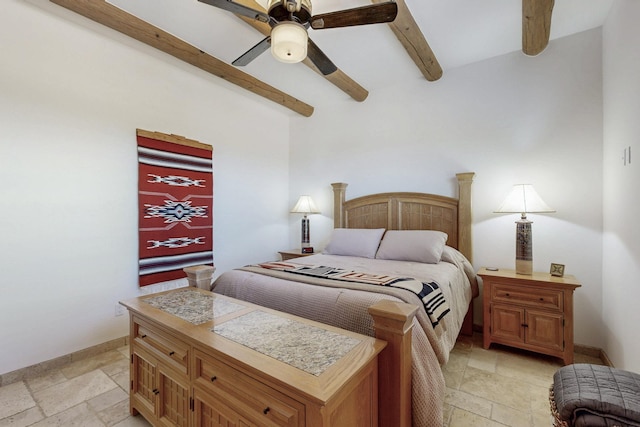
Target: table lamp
(305, 206)
(524, 199)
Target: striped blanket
(429, 293)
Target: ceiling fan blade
(370, 14)
(253, 53)
(536, 25)
(319, 59)
(238, 9)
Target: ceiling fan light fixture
(289, 42)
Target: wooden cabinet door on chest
(159, 375)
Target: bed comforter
(345, 305)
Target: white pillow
(362, 242)
(413, 245)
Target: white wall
(621, 261)
(511, 119)
(72, 94)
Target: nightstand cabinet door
(530, 312)
(545, 329)
(506, 322)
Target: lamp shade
(523, 199)
(305, 206)
(289, 42)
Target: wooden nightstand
(292, 253)
(529, 312)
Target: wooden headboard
(410, 211)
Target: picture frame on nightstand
(557, 270)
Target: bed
(420, 236)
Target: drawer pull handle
(524, 325)
(266, 410)
(213, 378)
(507, 294)
(172, 353)
(155, 391)
(541, 299)
(144, 336)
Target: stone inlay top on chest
(306, 347)
(193, 306)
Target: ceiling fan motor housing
(278, 11)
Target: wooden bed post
(393, 322)
(339, 194)
(464, 236)
(464, 214)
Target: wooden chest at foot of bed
(209, 360)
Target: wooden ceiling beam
(407, 31)
(117, 19)
(536, 25)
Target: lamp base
(306, 241)
(524, 267)
(524, 249)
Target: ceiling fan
(289, 21)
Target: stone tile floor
(500, 386)
(495, 387)
(88, 393)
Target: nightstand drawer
(528, 296)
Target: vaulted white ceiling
(459, 32)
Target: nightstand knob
(507, 294)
